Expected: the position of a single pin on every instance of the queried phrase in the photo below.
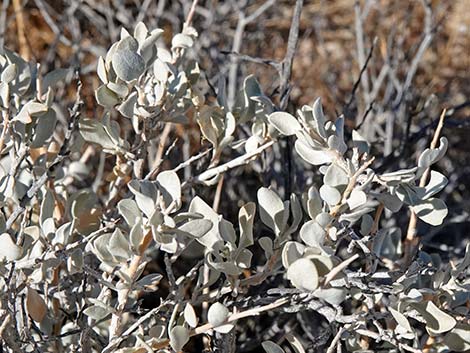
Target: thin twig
(337, 269)
(191, 13)
(428, 36)
(243, 21)
(358, 22)
(349, 188)
(239, 161)
(252, 59)
(411, 233)
(192, 160)
(335, 341)
(232, 318)
(290, 54)
(361, 74)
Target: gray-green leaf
(285, 123)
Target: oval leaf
(285, 123)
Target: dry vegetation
(397, 71)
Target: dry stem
(411, 233)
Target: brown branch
(25, 52)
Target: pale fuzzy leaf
(271, 209)
(147, 48)
(312, 156)
(401, 319)
(246, 217)
(312, 234)
(93, 131)
(199, 206)
(431, 156)
(9, 73)
(436, 183)
(136, 236)
(181, 40)
(366, 224)
(196, 228)
(333, 296)
(243, 259)
(119, 246)
(266, 244)
(217, 314)
(97, 312)
(356, 199)
(296, 212)
(335, 176)
(224, 328)
(337, 143)
(437, 321)
(101, 70)
(330, 195)
(271, 347)
(170, 187)
(314, 202)
(323, 263)
(458, 339)
(157, 331)
(47, 207)
(4, 93)
(360, 143)
(8, 249)
(127, 107)
(179, 336)
(140, 32)
(291, 252)
(45, 127)
(285, 123)
(150, 281)
(190, 315)
(319, 117)
(160, 70)
(432, 211)
(227, 231)
(29, 110)
(129, 210)
(35, 305)
(145, 195)
(253, 143)
(127, 64)
(106, 97)
(120, 89)
(387, 243)
(229, 268)
(391, 202)
(125, 34)
(303, 275)
(75, 261)
(323, 219)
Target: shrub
(79, 256)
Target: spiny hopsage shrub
(73, 257)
